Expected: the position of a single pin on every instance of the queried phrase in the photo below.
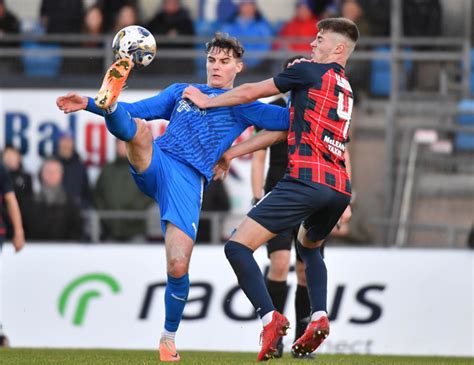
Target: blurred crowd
(58, 209)
(243, 19)
(55, 210)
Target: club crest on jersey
(189, 107)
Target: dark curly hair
(226, 43)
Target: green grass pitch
(116, 357)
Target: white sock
(167, 335)
(267, 318)
(111, 108)
(317, 315)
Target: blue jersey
(199, 137)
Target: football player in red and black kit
(316, 189)
(279, 247)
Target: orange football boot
(168, 351)
(114, 80)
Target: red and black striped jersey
(320, 115)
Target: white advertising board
(381, 301)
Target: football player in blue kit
(173, 169)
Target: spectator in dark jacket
(21, 181)
(62, 16)
(52, 215)
(9, 24)
(215, 199)
(116, 190)
(8, 21)
(111, 8)
(75, 181)
(172, 20)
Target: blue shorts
(291, 202)
(176, 187)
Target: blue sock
(176, 294)
(249, 276)
(120, 123)
(316, 277)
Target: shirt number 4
(344, 110)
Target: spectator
(62, 16)
(126, 16)
(52, 214)
(173, 20)
(226, 10)
(93, 25)
(116, 190)
(423, 18)
(351, 9)
(251, 28)
(8, 25)
(378, 16)
(111, 8)
(7, 195)
(358, 71)
(8, 21)
(303, 25)
(75, 179)
(323, 8)
(22, 182)
(215, 199)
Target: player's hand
(196, 96)
(346, 216)
(222, 167)
(18, 241)
(71, 102)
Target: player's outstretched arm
(242, 94)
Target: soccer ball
(136, 43)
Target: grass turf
(116, 357)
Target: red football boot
(313, 336)
(270, 335)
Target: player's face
(222, 67)
(323, 46)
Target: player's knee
(279, 267)
(177, 267)
(278, 272)
(233, 249)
